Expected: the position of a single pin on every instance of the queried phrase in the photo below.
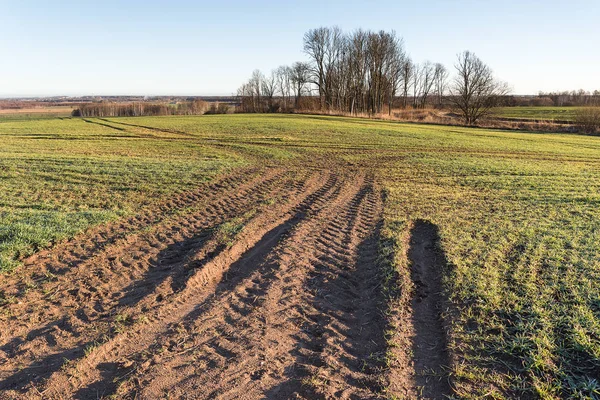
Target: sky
(147, 47)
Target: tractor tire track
(102, 288)
(258, 336)
(288, 307)
(157, 319)
(226, 328)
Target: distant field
(282, 255)
(35, 113)
(538, 113)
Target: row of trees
(286, 83)
(138, 109)
(361, 72)
(572, 98)
(369, 72)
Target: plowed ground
(265, 283)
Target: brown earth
(265, 283)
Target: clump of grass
(226, 233)
(122, 321)
(5, 299)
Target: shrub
(588, 119)
(218, 108)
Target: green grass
(538, 113)
(58, 177)
(518, 215)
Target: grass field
(508, 223)
(61, 176)
(36, 113)
(538, 113)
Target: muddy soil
(286, 304)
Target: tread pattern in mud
(291, 307)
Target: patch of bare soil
(288, 305)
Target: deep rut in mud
(429, 343)
(263, 284)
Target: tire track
(91, 304)
(85, 373)
(150, 128)
(106, 261)
(340, 346)
(290, 307)
(256, 331)
(230, 319)
(42, 266)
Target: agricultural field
(538, 113)
(30, 113)
(285, 256)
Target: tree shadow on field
(42, 369)
(429, 345)
(175, 263)
(111, 374)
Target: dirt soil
(162, 305)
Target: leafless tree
(385, 57)
(324, 46)
(268, 88)
(475, 91)
(359, 72)
(441, 81)
(416, 84)
(426, 81)
(300, 77)
(255, 86)
(284, 84)
(406, 77)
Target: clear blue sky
(211, 47)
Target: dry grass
(445, 117)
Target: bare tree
(268, 88)
(357, 70)
(475, 91)
(407, 72)
(416, 83)
(255, 84)
(300, 77)
(441, 81)
(324, 46)
(284, 83)
(426, 81)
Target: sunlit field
(517, 219)
(539, 113)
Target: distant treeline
(357, 72)
(367, 72)
(575, 98)
(572, 98)
(139, 109)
